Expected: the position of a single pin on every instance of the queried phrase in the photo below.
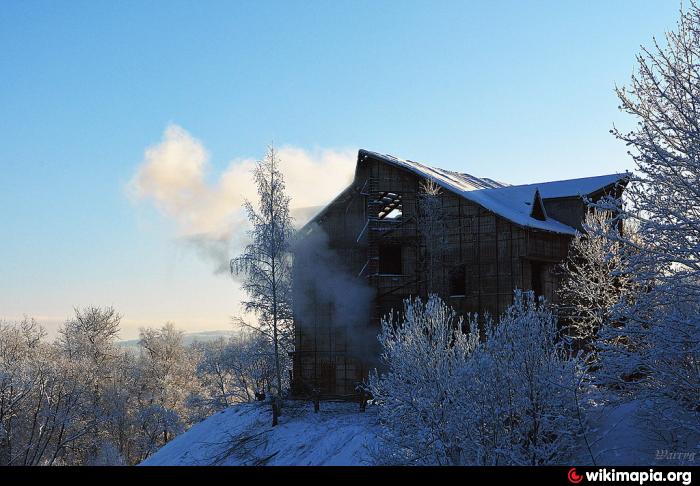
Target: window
(458, 280)
(390, 260)
(391, 207)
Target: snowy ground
(626, 435)
(340, 435)
(242, 435)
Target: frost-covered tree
(59, 414)
(45, 405)
(420, 395)
(18, 342)
(266, 261)
(121, 428)
(251, 360)
(166, 382)
(83, 399)
(89, 340)
(658, 344)
(232, 370)
(448, 397)
(525, 385)
(215, 374)
(595, 279)
(19, 345)
(157, 425)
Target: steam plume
(175, 177)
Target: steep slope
(241, 435)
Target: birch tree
(266, 262)
(431, 226)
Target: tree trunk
(275, 411)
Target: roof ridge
(507, 201)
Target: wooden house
(478, 241)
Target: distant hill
(188, 339)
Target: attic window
(391, 207)
(538, 211)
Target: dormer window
(538, 211)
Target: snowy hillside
(242, 435)
(340, 435)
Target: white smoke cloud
(175, 177)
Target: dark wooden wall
(494, 256)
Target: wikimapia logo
(574, 477)
(638, 477)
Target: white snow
(242, 435)
(573, 187)
(624, 434)
(513, 203)
(341, 435)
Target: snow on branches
(449, 397)
(658, 341)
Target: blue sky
(514, 90)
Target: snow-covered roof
(513, 203)
(456, 180)
(574, 187)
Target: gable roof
(513, 203)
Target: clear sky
(514, 90)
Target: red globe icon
(574, 477)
